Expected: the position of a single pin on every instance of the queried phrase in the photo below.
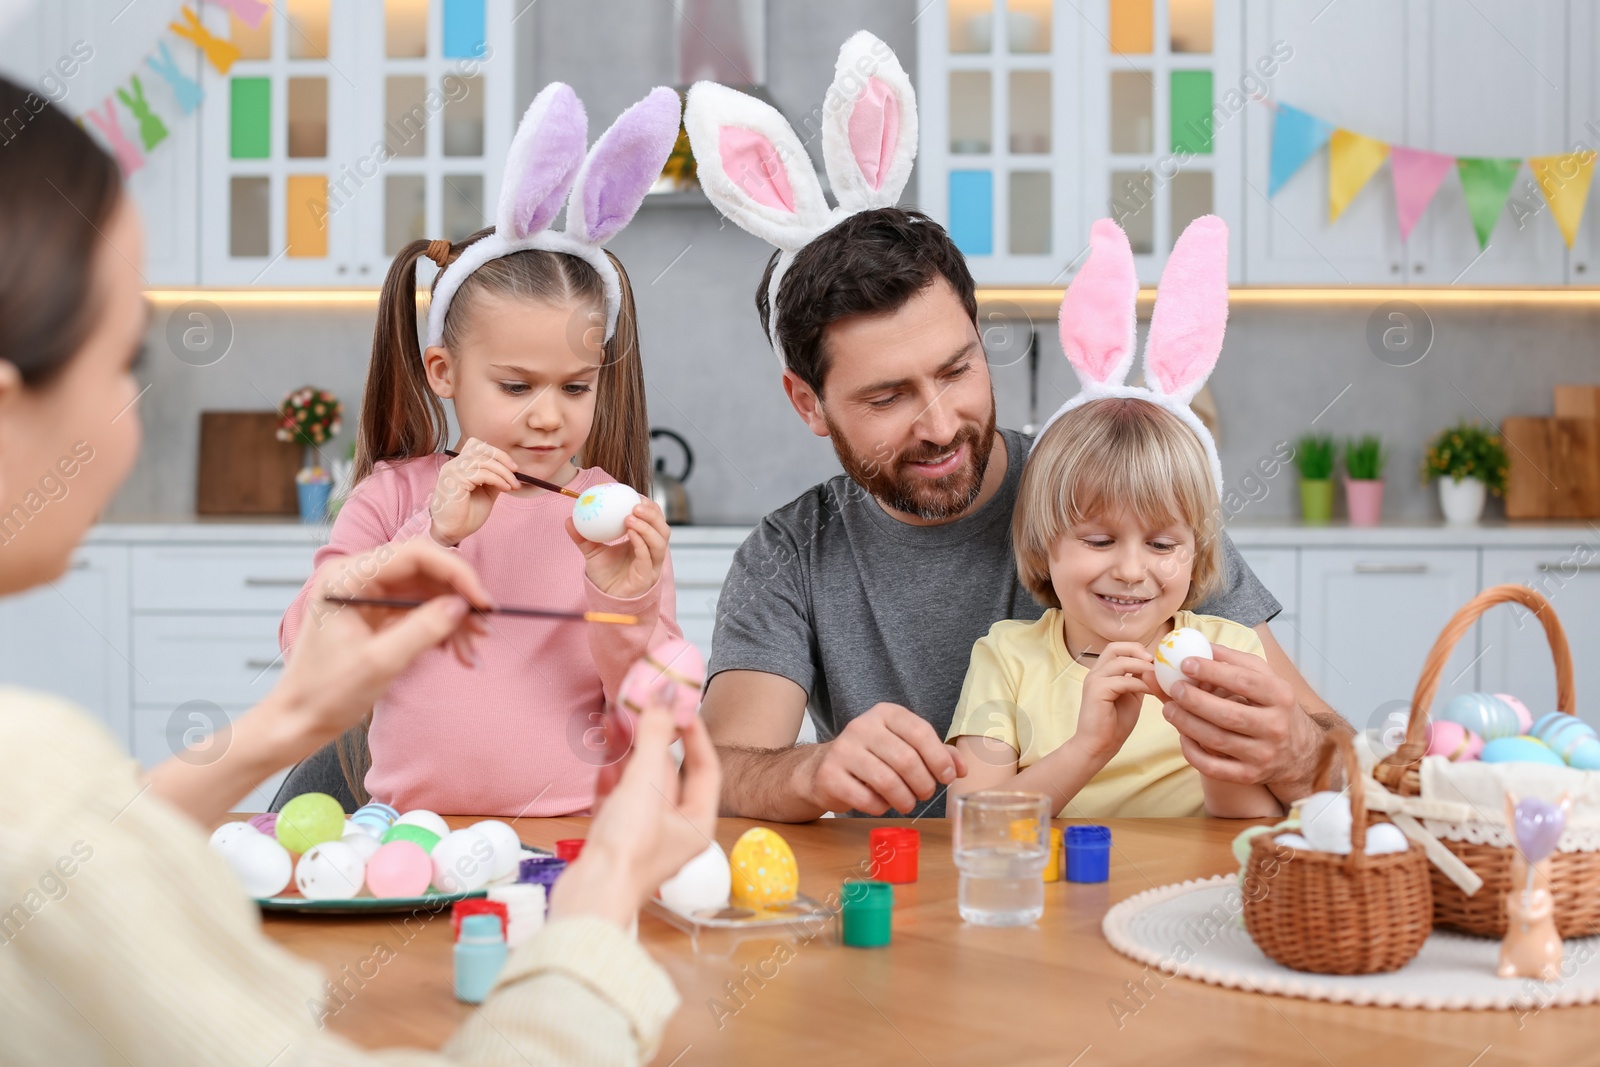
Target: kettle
(666, 489)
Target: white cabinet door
(70, 637)
(1516, 654)
(1279, 570)
(1369, 617)
(1347, 66)
(1457, 107)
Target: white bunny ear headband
(546, 163)
(1098, 323)
(754, 167)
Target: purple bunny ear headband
(547, 163)
(1098, 323)
(755, 169)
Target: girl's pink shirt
(516, 735)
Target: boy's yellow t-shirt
(1024, 690)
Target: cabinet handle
(256, 583)
(79, 564)
(1590, 568)
(1391, 568)
(1394, 268)
(264, 664)
(1580, 267)
(1417, 267)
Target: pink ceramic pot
(1364, 498)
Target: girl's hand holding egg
(466, 490)
(1113, 693)
(630, 567)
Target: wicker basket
(1332, 914)
(1574, 876)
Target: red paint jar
(894, 854)
(568, 848)
(478, 906)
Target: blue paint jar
(1088, 853)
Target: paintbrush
(527, 613)
(528, 479)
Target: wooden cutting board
(244, 468)
(1554, 468)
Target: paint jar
(1088, 853)
(865, 914)
(894, 854)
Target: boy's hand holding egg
(466, 490)
(1113, 693)
(628, 563)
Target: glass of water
(1001, 845)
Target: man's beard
(932, 499)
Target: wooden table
(944, 992)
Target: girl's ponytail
(619, 441)
(400, 415)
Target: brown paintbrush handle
(528, 479)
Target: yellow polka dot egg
(764, 871)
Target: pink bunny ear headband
(755, 169)
(1098, 323)
(546, 163)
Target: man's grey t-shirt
(858, 608)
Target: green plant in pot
(1313, 458)
(1468, 461)
(1364, 458)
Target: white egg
(428, 820)
(262, 865)
(332, 870)
(701, 884)
(507, 847)
(1294, 841)
(602, 509)
(364, 843)
(223, 837)
(1325, 821)
(1385, 837)
(1173, 649)
(463, 862)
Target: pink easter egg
(1524, 716)
(399, 869)
(674, 664)
(1453, 741)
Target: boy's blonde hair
(1109, 454)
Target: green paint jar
(866, 913)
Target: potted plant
(311, 417)
(1363, 479)
(1467, 460)
(1313, 458)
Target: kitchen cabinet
(1583, 126)
(1516, 654)
(1279, 570)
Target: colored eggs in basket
(1518, 708)
(702, 884)
(673, 667)
(1570, 738)
(1519, 749)
(1453, 741)
(763, 870)
(331, 870)
(1174, 648)
(602, 509)
(1484, 714)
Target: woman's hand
(650, 824)
(1113, 693)
(466, 490)
(631, 567)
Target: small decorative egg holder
(717, 932)
(1575, 873)
(1338, 914)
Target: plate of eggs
(310, 858)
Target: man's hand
(1239, 722)
(886, 758)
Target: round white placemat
(1192, 930)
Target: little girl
(1116, 531)
(531, 336)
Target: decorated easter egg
(462, 862)
(763, 869)
(266, 822)
(1518, 708)
(426, 819)
(420, 836)
(1570, 738)
(675, 662)
(702, 884)
(262, 865)
(364, 843)
(1484, 714)
(330, 871)
(1521, 749)
(1453, 741)
(1385, 837)
(229, 832)
(399, 869)
(601, 511)
(1325, 821)
(1174, 648)
(507, 847)
(308, 820)
(374, 818)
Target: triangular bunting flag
(1352, 161)
(1295, 136)
(1564, 181)
(1486, 183)
(1417, 175)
